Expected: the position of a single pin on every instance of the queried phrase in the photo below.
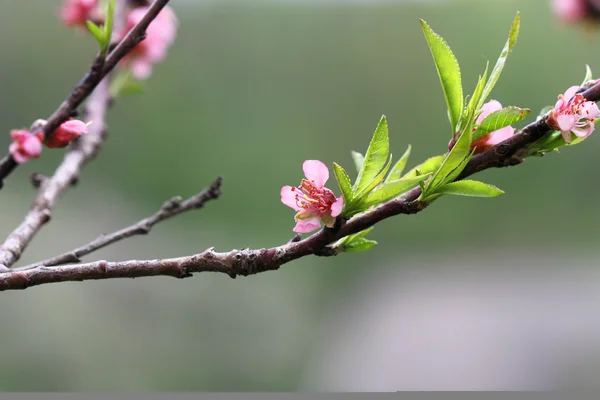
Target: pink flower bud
(65, 133)
(572, 113)
(488, 141)
(77, 12)
(24, 146)
(313, 201)
(153, 49)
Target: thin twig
(170, 208)
(100, 68)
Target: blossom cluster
(153, 49)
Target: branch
(249, 262)
(170, 208)
(100, 68)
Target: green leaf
(588, 75)
(429, 165)
(359, 161)
(470, 188)
(397, 170)
(108, 26)
(449, 72)
(359, 245)
(510, 43)
(393, 189)
(453, 159)
(97, 32)
(374, 183)
(543, 112)
(125, 84)
(355, 242)
(344, 182)
(376, 157)
(476, 100)
(500, 119)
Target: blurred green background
(249, 91)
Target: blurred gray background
(471, 294)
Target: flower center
(314, 198)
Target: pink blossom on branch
(160, 35)
(573, 114)
(312, 200)
(65, 133)
(488, 141)
(77, 12)
(24, 146)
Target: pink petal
(288, 197)
(487, 109)
(337, 207)
(141, 69)
(75, 125)
(570, 92)
(570, 10)
(316, 171)
(307, 225)
(500, 135)
(566, 122)
(583, 131)
(32, 146)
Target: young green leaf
(344, 182)
(510, 43)
(97, 32)
(453, 159)
(359, 160)
(500, 119)
(588, 75)
(393, 189)
(476, 100)
(376, 157)
(397, 170)
(359, 245)
(429, 165)
(470, 188)
(108, 25)
(449, 72)
(374, 183)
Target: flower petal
(307, 225)
(584, 130)
(288, 197)
(500, 135)
(570, 92)
(565, 122)
(316, 171)
(487, 109)
(337, 207)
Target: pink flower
(313, 201)
(488, 141)
(159, 36)
(571, 11)
(76, 12)
(573, 113)
(65, 133)
(24, 146)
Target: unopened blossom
(312, 200)
(491, 139)
(573, 114)
(24, 146)
(66, 132)
(77, 12)
(153, 49)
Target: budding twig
(170, 208)
(101, 67)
